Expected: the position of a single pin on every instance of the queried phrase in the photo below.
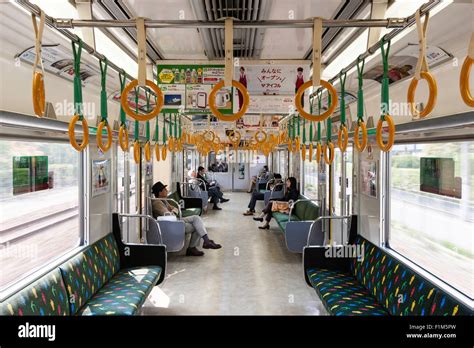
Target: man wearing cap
(193, 224)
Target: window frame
(20, 127)
(385, 216)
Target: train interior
(272, 157)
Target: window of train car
(432, 209)
(39, 205)
(311, 172)
(121, 158)
(283, 163)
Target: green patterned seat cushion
(306, 210)
(342, 294)
(46, 296)
(86, 273)
(446, 305)
(124, 294)
(282, 219)
(401, 290)
(174, 196)
(190, 212)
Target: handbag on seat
(281, 207)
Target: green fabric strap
(329, 128)
(137, 124)
(304, 130)
(122, 78)
(180, 130)
(175, 127)
(147, 124)
(78, 110)
(157, 130)
(342, 80)
(298, 120)
(164, 129)
(170, 132)
(385, 80)
(293, 128)
(360, 92)
(103, 92)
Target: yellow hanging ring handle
(211, 140)
(464, 81)
(157, 152)
(310, 152)
(262, 139)
(316, 118)
(235, 137)
(297, 144)
(318, 152)
(39, 99)
(72, 134)
(433, 90)
(391, 134)
(240, 113)
(136, 116)
(100, 145)
(328, 158)
(136, 151)
(360, 146)
(123, 138)
(342, 138)
(163, 152)
(147, 151)
(303, 152)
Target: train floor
(252, 274)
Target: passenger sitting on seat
(214, 190)
(193, 224)
(253, 182)
(291, 194)
(258, 196)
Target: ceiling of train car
(271, 43)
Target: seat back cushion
(300, 210)
(87, 272)
(396, 286)
(312, 211)
(46, 296)
(446, 305)
(174, 196)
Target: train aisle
(253, 273)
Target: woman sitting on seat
(193, 224)
(292, 194)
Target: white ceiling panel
(172, 43)
(294, 43)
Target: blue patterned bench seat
(378, 284)
(91, 283)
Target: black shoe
(223, 200)
(216, 208)
(211, 245)
(264, 227)
(194, 252)
(258, 219)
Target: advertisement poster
(100, 177)
(174, 95)
(272, 79)
(189, 87)
(369, 178)
(269, 104)
(59, 61)
(402, 65)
